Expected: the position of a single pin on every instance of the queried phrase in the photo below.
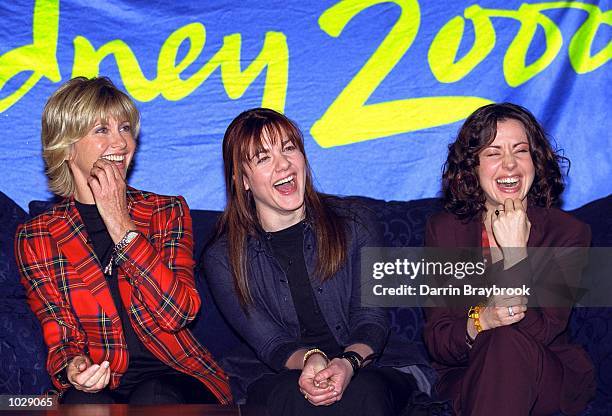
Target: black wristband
(354, 359)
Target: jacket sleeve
(62, 332)
(160, 268)
(445, 328)
(270, 341)
(367, 325)
(546, 323)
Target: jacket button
(320, 289)
(308, 247)
(338, 327)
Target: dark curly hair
(463, 195)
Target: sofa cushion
(11, 215)
(209, 326)
(22, 350)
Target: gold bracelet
(474, 313)
(313, 351)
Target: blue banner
(379, 88)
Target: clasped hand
(324, 383)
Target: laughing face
(506, 169)
(111, 140)
(275, 174)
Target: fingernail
(105, 364)
(95, 366)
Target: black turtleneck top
(142, 363)
(288, 248)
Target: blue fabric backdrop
(378, 87)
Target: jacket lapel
(468, 234)
(539, 222)
(68, 230)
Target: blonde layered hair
(70, 113)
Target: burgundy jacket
(445, 328)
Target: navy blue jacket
(271, 328)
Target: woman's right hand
(497, 313)
(86, 376)
(316, 393)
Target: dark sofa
(22, 352)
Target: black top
(288, 248)
(143, 364)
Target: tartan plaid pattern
(67, 290)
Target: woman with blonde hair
(109, 270)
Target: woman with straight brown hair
(285, 272)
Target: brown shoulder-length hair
(239, 220)
(462, 193)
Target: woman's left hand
(511, 227)
(109, 190)
(338, 373)
(316, 392)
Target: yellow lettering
(348, 119)
(87, 63)
(274, 57)
(443, 50)
(515, 70)
(39, 57)
(580, 46)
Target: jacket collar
(260, 240)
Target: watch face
(130, 236)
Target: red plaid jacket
(67, 290)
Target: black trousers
(374, 392)
(176, 388)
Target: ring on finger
(510, 311)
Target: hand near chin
(109, 190)
(511, 226)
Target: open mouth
(114, 158)
(286, 185)
(508, 184)
(118, 160)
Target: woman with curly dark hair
(500, 183)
